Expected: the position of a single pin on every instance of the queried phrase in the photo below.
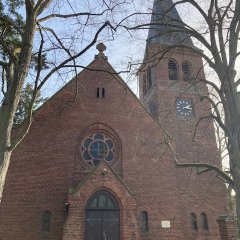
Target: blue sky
(122, 47)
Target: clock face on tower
(184, 107)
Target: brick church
(95, 165)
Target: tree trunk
(17, 75)
(6, 123)
(5, 161)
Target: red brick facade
(227, 227)
(47, 170)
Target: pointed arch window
(187, 70)
(46, 220)
(102, 217)
(144, 222)
(194, 221)
(204, 221)
(172, 69)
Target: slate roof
(165, 19)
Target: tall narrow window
(153, 108)
(149, 78)
(204, 221)
(172, 70)
(144, 85)
(194, 221)
(103, 92)
(46, 220)
(100, 92)
(144, 221)
(187, 71)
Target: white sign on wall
(165, 224)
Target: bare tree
(35, 35)
(219, 35)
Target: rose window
(97, 147)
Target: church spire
(165, 19)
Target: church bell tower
(171, 84)
(171, 87)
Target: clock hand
(188, 107)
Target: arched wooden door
(102, 217)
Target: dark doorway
(102, 217)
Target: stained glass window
(97, 147)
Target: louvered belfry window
(172, 70)
(187, 71)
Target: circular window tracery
(97, 147)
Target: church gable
(98, 91)
(105, 106)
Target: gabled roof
(105, 67)
(165, 19)
(96, 169)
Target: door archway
(102, 217)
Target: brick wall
(227, 228)
(48, 163)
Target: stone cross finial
(101, 48)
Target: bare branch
(77, 55)
(96, 69)
(3, 64)
(237, 82)
(210, 167)
(218, 118)
(41, 6)
(234, 31)
(198, 122)
(220, 35)
(70, 15)
(212, 84)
